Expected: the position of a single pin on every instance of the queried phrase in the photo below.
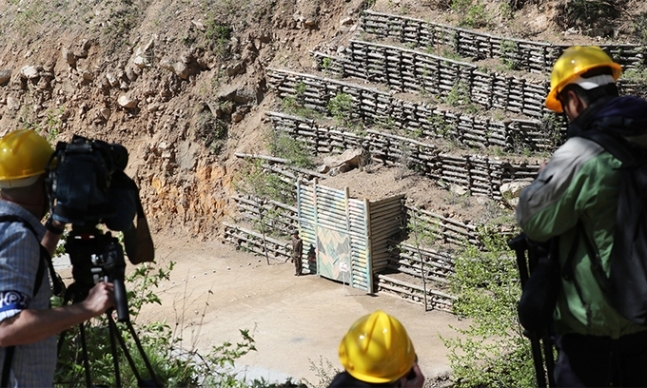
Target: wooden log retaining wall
(429, 267)
(481, 175)
(380, 109)
(445, 230)
(436, 300)
(442, 228)
(413, 71)
(252, 241)
(277, 217)
(434, 265)
(532, 56)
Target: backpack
(57, 285)
(626, 285)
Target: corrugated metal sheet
(349, 249)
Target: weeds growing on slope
(492, 352)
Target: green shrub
(492, 352)
(471, 15)
(508, 51)
(283, 146)
(257, 181)
(341, 107)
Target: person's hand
(100, 298)
(415, 378)
(542, 165)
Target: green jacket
(578, 183)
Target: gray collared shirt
(33, 365)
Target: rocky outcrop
(348, 160)
(177, 86)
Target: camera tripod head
(95, 257)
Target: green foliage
(326, 63)
(640, 27)
(325, 372)
(442, 128)
(492, 352)
(508, 51)
(424, 234)
(367, 4)
(506, 10)
(218, 35)
(211, 131)
(295, 104)
(551, 124)
(257, 181)
(341, 108)
(473, 15)
(459, 95)
(283, 146)
(49, 127)
(450, 54)
(301, 89)
(636, 74)
(123, 19)
(589, 13)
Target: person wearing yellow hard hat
(28, 326)
(574, 204)
(377, 352)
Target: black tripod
(539, 338)
(97, 256)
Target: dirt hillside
(183, 85)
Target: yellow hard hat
(23, 157)
(573, 62)
(377, 349)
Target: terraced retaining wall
(419, 119)
(532, 56)
(480, 175)
(413, 71)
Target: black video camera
(86, 186)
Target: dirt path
(215, 291)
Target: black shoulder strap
(44, 257)
(6, 366)
(616, 145)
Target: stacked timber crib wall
(413, 71)
(531, 56)
(381, 108)
(346, 231)
(480, 175)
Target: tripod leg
(149, 367)
(113, 347)
(116, 334)
(537, 359)
(153, 382)
(86, 362)
(550, 359)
